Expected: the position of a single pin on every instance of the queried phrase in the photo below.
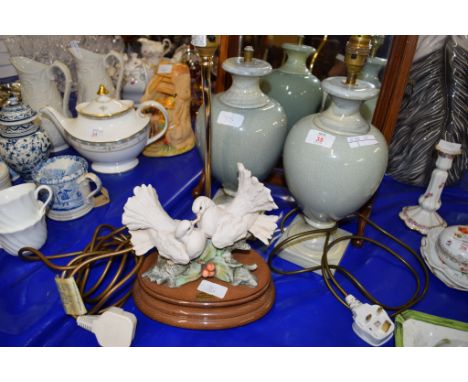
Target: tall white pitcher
(91, 69)
(39, 89)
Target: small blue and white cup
(70, 180)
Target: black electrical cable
(325, 267)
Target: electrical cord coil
(103, 249)
(326, 268)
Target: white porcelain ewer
(154, 51)
(91, 70)
(39, 89)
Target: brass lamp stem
(317, 52)
(207, 53)
(357, 50)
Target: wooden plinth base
(187, 307)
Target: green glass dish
(445, 332)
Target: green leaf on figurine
(226, 269)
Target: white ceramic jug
(39, 89)
(154, 51)
(136, 76)
(91, 69)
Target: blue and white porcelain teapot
(23, 144)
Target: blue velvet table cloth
(305, 313)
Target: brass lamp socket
(357, 50)
(248, 53)
(209, 50)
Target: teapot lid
(16, 113)
(453, 243)
(103, 106)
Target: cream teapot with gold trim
(109, 132)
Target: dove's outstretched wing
(150, 226)
(244, 213)
(143, 210)
(252, 196)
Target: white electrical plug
(371, 322)
(114, 327)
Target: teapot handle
(60, 66)
(156, 105)
(118, 56)
(167, 42)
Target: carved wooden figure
(171, 87)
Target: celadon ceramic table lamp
(247, 126)
(334, 161)
(293, 85)
(370, 73)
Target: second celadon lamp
(334, 161)
(293, 85)
(247, 126)
(370, 73)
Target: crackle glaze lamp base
(247, 125)
(334, 161)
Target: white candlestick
(424, 217)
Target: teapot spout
(57, 118)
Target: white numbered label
(316, 137)
(212, 289)
(199, 40)
(230, 119)
(164, 68)
(70, 296)
(96, 132)
(361, 140)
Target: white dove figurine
(230, 222)
(150, 226)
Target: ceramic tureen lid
(16, 113)
(104, 106)
(453, 243)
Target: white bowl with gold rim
(108, 132)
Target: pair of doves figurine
(225, 224)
